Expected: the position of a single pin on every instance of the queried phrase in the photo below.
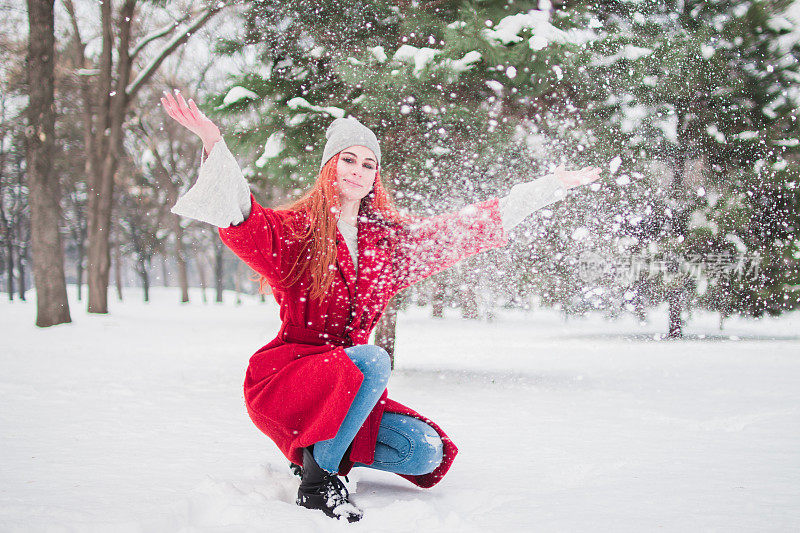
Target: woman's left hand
(574, 178)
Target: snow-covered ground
(135, 422)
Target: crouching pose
(333, 259)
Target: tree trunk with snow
(52, 306)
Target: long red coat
(299, 387)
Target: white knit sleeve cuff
(525, 198)
(220, 196)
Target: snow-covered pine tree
(752, 215)
(697, 96)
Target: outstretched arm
(220, 196)
(437, 243)
(525, 198)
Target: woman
(333, 259)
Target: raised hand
(190, 117)
(574, 178)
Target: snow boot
(324, 491)
(297, 470)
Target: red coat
(299, 387)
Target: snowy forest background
(690, 108)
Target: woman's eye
(347, 160)
(368, 167)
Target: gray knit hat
(346, 132)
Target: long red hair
(321, 206)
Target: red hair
(321, 206)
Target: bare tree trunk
(218, 249)
(180, 259)
(144, 276)
(386, 329)
(22, 239)
(201, 272)
(19, 257)
(9, 235)
(97, 268)
(4, 222)
(101, 184)
(118, 270)
(79, 267)
(10, 267)
(164, 271)
(22, 257)
(237, 286)
(79, 272)
(52, 306)
(77, 230)
(146, 283)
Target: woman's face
(355, 172)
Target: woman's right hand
(191, 118)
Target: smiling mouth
(352, 182)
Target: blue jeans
(405, 445)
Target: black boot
(297, 470)
(324, 491)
